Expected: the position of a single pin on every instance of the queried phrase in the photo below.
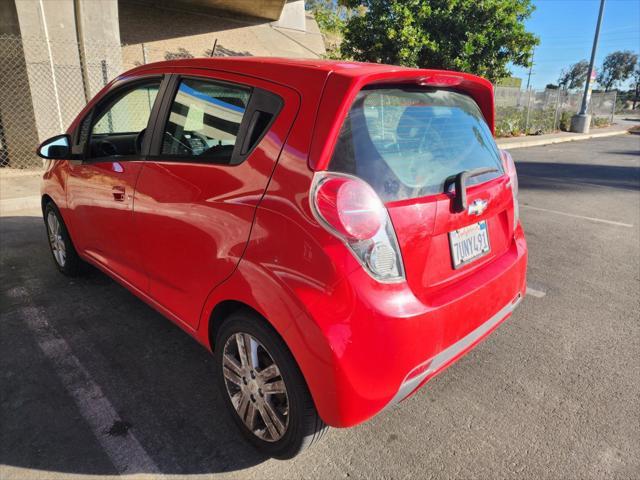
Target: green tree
(331, 16)
(617, 67)
(476, 36)
(636, 85)
(574, 76)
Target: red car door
(100, 187)
(216, 142)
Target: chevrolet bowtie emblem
(477, 207)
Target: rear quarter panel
(285, 269)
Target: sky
(566, 29)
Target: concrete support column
(71, 48)
(49, 40)
(18, 135)
(98, 33)
(292, 16)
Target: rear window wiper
(460, 180)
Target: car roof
(291, 71)
(332, 83)
(234, 63)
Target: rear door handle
(459, 180)
(118, 193)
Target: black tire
(305, 427)
(72, 264)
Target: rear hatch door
(409, 143)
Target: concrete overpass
(56, 54)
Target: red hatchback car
(336, 233)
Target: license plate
(469, 243)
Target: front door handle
(118, 193)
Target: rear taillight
(352, 211)
(510, 168)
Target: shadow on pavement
(536, 175)
(158, 379)
(622, 152)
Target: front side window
(204, 120)
(120, 125)
(405, 142)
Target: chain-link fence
(43, 86)
(532, 112)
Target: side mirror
(55, 148)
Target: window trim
(81, 152)
(256, 99)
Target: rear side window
(204, 121)
(406, 142)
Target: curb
(16, 173)
(550, 141)
(9, 205)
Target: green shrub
(512, 121)
(540, 121)
(598, 122)
(565, 121)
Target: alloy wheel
(255, 386)
(55, 239)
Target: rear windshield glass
(406, 142)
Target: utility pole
(526, 124)
(531, 68)
(581, 122)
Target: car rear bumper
(446, 357)
(386, 343)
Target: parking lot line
(125, 451)
(535, 293)
(593, 219)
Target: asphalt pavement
(95, 383)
